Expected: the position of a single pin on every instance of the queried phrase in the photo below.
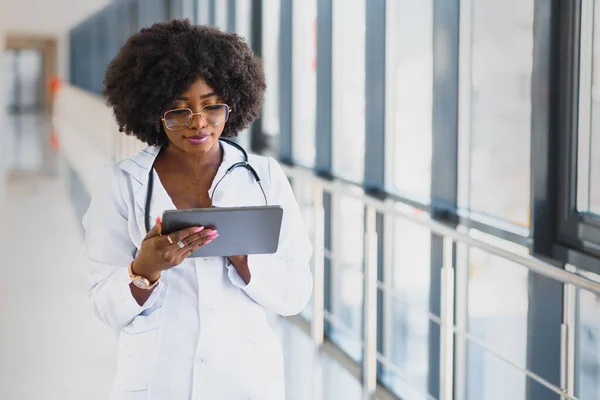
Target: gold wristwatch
(140, 281)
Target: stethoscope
(242, 164)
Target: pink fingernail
(158, 220)
(212, 234)
(199, 229)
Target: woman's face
(201, 134)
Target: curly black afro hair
(159, 63)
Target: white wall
(88, 147)
(51, 18)
(46, 17)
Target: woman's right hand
(157, 254)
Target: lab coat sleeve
(281, 282)
(108, 250)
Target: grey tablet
(242, 230)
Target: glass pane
(271, 65)
(408, 351)
(221, 14)
(497, 315)
(491, 378)
(587, 360)
(410, 50)
(500, 133)
(304, 75)
(243, 19)
(406, 344)
(349, 89)
(304, 197)
(300, 359)
(338, 383)
(313, 375)
(347, 279)
(202, 17)
(594, 142)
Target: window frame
(577, 238)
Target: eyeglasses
(180, 118)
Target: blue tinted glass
(587, 361)
(347, 276)
(497, 316)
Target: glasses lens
(216, 114)
(178, 119)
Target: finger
(185, 252)
(203, 241)
(182, 234)
(156, 229)
(194, 245)
(209, 234)
(203, 235)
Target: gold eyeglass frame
(198, 113)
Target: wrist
(240, 263)
(137, 268)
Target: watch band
(140, 281)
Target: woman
(190, 328)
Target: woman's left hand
(240, 263)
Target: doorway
(29, 65)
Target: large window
(580, 190)
(349, 89)
(409, 95)
(498, 121)
(304, 85)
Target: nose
(197, 122)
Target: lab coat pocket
(137, 352)
(266, 358)
(260, 334)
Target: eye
(213, 107)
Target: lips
(198, 139)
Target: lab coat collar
(140, 165)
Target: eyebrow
(204, 96)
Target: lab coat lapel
(138, 167)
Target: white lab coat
(203, 334)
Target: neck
(194, 163)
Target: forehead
(198, 89)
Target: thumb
(156, 229)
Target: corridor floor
(51, 345)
